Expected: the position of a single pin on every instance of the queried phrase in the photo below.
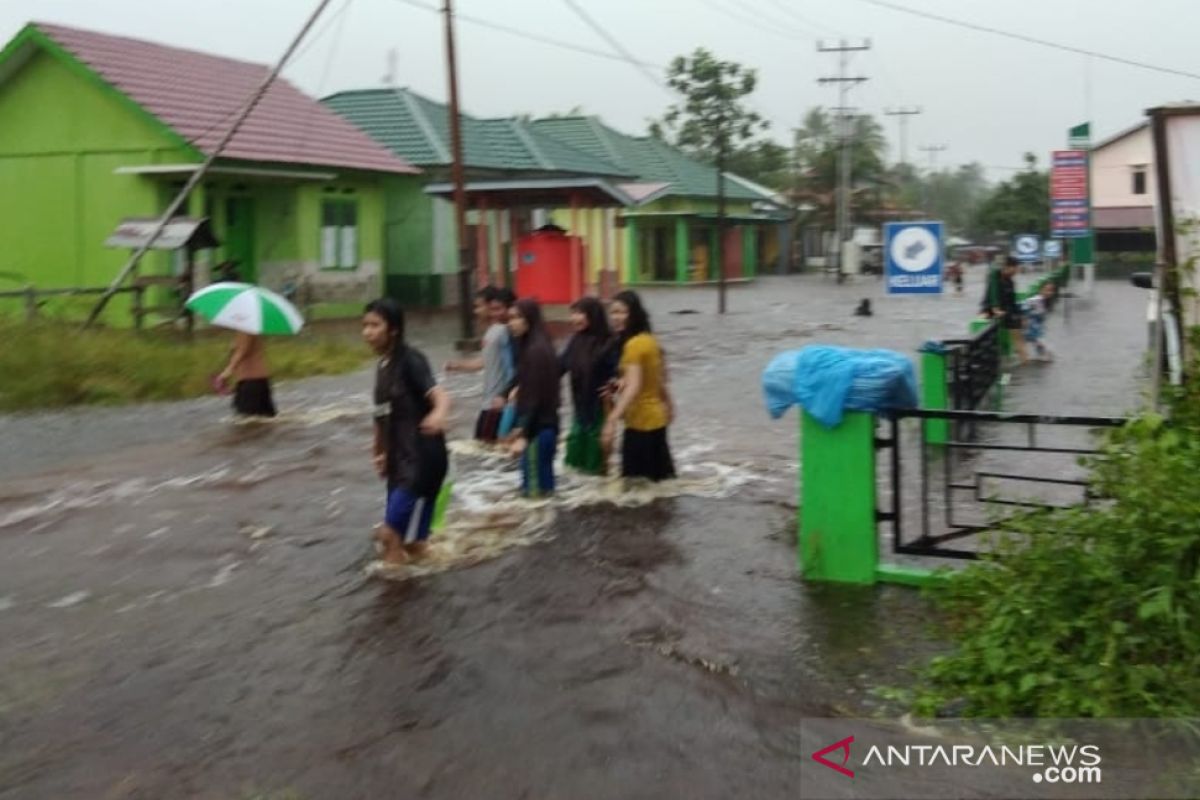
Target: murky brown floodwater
(184, 609)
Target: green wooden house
(99, 128)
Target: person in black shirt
(538, 397)
(411, 411)
(590, 359)
(1000, 302)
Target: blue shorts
(409, 516)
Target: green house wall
(62, 140)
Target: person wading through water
(644, 402)
(590, 359)
(535, 439)
(411, 412)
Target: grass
(55, 364)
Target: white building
(1124, 191)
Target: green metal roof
(650, 159)
(418, 129)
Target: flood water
(187, 606)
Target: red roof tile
(197, 95)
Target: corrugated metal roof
(198, 95)
(418, 129)
(653, 161)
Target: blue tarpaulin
(826, 381)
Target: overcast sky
(987, 98)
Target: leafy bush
(1089, 612)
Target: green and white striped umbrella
(246, 308)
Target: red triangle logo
(844, 747)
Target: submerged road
(184, 610)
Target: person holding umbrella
(253, 312)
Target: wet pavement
(184, 609)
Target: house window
(339, 234)
(1139, 180)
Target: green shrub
(1089, 612)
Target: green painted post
(838, 540)
(750, 251)
(681, 250)
(632, 249)
(935, 395)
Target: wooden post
(481, 244)
(30, 303)
(139, 312)
(188, 283)
(576, 275)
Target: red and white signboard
(1069, 215)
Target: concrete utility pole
(460, 192)
(932, 150)
(845, 131)
(902, 114)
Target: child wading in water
(537, 389)
(410, 422)
(252, 379)
(1035, 315)
(644, 402)
(590, 358)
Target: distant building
(1124, 191)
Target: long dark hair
(589, 345)
(639, 320)
(537, 334)
(537, 370)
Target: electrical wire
(617, 46)
(224, 118)
(1020, 37)
(533, 37)
(791, 11)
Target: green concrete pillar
(750, 251)
(935, 395)
(632, 249)
(838, 540)
(713, 244)
(682, 251)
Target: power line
(1129, 62)
(796, 15)
(524, 34)
(751, 20)
(329, 23)
(617, 46)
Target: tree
(711, 120)
(817, 150)
(1019, 205)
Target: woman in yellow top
(644, 402)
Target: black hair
(529, 309)
(488, 294)
(506, 296)
(393, 315)
(1011, 261)
(639, 320)
(597, 321)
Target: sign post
(914, 257)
